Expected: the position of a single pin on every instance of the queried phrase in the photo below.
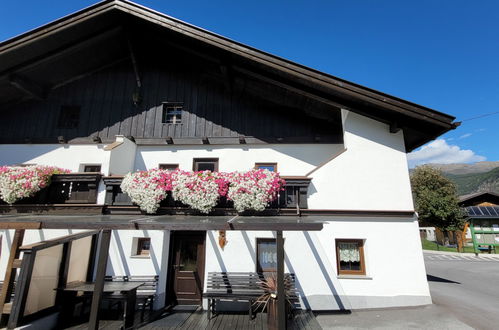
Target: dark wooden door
(188, 267)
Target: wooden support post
(105, 240)
(22, 289)
(10, 273)
(281, 294)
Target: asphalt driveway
(466, 287)
(465, 293)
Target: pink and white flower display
(251, 190)
(17, 182)
(199, 190)
(148, 188)
(254, 190)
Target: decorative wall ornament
(222, 239)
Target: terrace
(47, 267)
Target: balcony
(67, 194)
(76, 193)
(293, 198)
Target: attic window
(172, 113)
(69, 116)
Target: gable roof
(95, 34)
(480, 197)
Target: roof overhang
(101, 30)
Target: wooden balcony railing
(294, 196)
(74, 189)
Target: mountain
(479, 167)
(472, 178)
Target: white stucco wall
(122, 158)
(67, 156)
(394, 263)
(372, 174)
(292, 159)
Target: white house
(117, 87)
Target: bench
(240, 286)
(146, 293)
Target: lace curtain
(349, 252)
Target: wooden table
(126, 291)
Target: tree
(436, 200)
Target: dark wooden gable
(219, 105)
(35, 65)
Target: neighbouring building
(118, 87)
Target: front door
(188, 267)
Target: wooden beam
(56, 241)
(28, 86)
(20, 225)
(394, 128)
(10, 273)
(61, 51)
(22, 289)
(281, 293)
(105, 240)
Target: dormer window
(172, 113)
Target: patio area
(193, 317)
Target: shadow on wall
(297, 279)
(310, 156)
(152, 253)
(217, 253)
(121, 253)
(249, 246)
(324, 271)
(18, 155)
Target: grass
(429, 245)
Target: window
(69, 116)
(205, 164)
(172, 113)
(169, 167)
(350, 257)
(92, 168)
(266, 255)
(143, 246)
(267, 166)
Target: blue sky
(441, 54)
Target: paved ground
(465, 293)
(425, 317)
(466, 287)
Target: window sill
(140, 257)
(354, 277)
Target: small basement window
(205, 164)
(266, 166)
(141, 246)
(69, 116)
(169, 167)
(172, 113)
(350, 257)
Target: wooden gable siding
(212, 108)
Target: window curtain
(349, 252)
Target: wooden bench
(240, 286)
(146, 293)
